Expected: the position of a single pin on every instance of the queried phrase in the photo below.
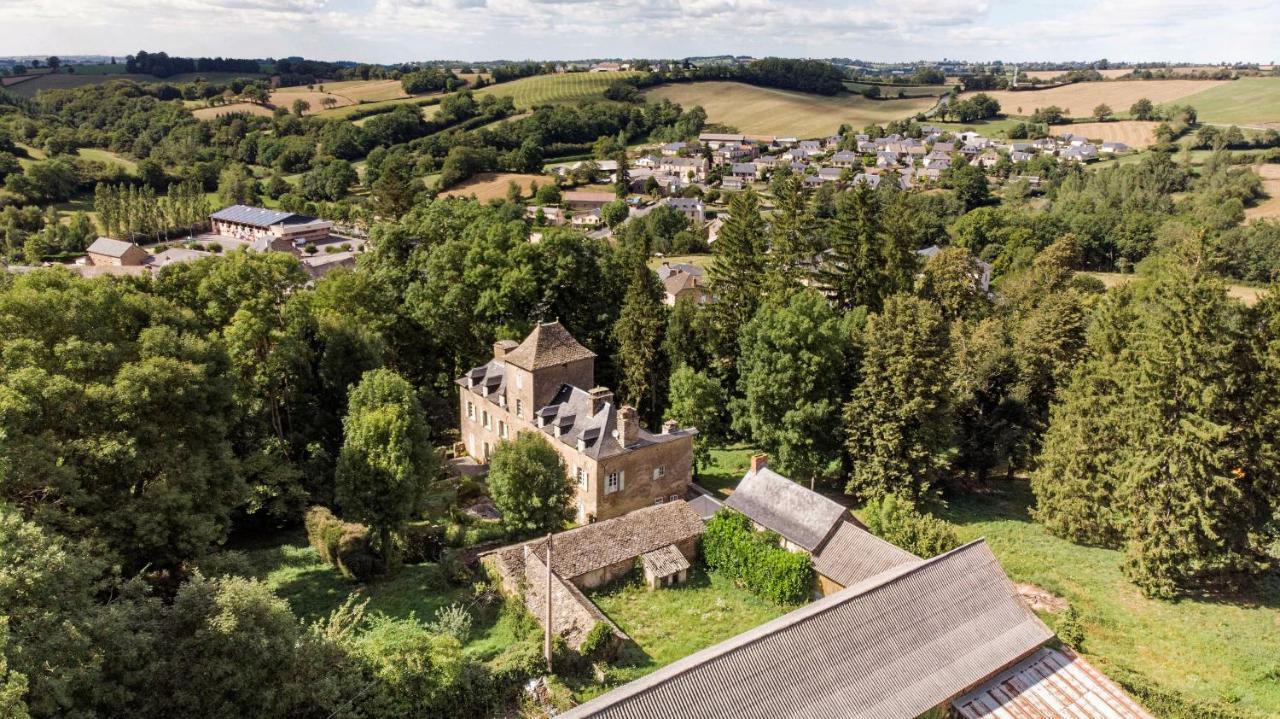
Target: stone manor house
(547, 384)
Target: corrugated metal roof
(799, 514)
(1050, 683)
(254, 216)
(853, 554)
(891, 647)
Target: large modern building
(547, 384)
(269, 229)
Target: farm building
(914, 638)
(269, 229)
(582, 200)
(662, 539)
(843, 552)
(106, 252)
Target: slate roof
(258, 216)
(678, 282)
(109, 247)
(665, 561)
(706, 506)
(891, 647)
(603, 544)
(852, 554)
(548, 345)
(798, 514)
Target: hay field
(1134, 133)
(1251, 101)
(285, 97)
(1080, 98)
(365, 90)
(208, 113)
(1268, 208)
(767, 111)
(570, 87)
(493, 185)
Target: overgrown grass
(673, 622)
(1221, 650)
(727, 466)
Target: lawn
(766, 111)
(728, 465)
(1218, 651)
(673, 622)
(1247, 101)
(530, 92)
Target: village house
(830, 174)
(949, 633)
(591, 218)
(845, 158)
(106, 252)
(547, 384)
(690, 207)
(685, 167)
(553, 216)
(585, 200)
(680, 281)
(940, 160)
(734, 183)
(715, 140)
(987, 160)
(982, 273)
(1113, 148)
(744, 170)
(672, 149)
(1019, 156)
(266, 230)
(660, 540)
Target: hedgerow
(732, 547)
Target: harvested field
(1050, 74)
(1268, 208)
(1134, 133)
(1078, 100)
(208, 113)
(287, 96)
(766, 111)
(363, 90)
(493, 185)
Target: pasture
(1079, 99)
(364, 90)
(493, 185)
(285, 97)
(1134, 133)
(766, 111)
(1251, 101)
(208, 113)
(538, 90)
(93, 153)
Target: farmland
(1134, 133)
(530, 92)
(62, 81)
(1078, 100)
(1109, 73)
(493, 185)
(1270, 207)
(1248, 101)
(208, 113)
(766, 111)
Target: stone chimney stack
(502, 347)
(759, 462)
(670, 426)
(600, 396)
(628, 426)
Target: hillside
(529, 92)
(766, 111)
(1247, 101)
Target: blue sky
(397, 30)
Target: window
(673, 498)
(485, 415)
(658, 500)
(519, 381)
(519, 406)
(613, 482)
(471, 411)
(659, 472)
(502, 429)
(580, 474)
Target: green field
(1247, 101)
(90, 153)
(1216, 650)
(63, 81)
(530, 92)
(766, 111)
(107, 69)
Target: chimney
(600, 396)
(759, 462)
(670, 426)
(502, 347)
(628, 426)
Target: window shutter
(622, 481)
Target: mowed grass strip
(768, 111)
(530, 92)
(1247, 101)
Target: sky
(388, 31)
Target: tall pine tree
(852, 271)
(736, 273)
(639, 333)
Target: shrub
(345, 545)
(599, 643)
(454, 621)
(1165, 703)
(896, 520)
(753, 558)
(1070, 630)
(420, 542)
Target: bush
(454, 621)
(599, 643)
(753, 558)
(1070, 630)
(897, 521)
(345, 545)
(1165, 703)
(420, 542)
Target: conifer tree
(852, 272)
(898, 422)
(736, 272)
(792, 230)
(639, 333)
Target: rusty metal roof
(1050, 683)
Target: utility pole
(546, 645)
